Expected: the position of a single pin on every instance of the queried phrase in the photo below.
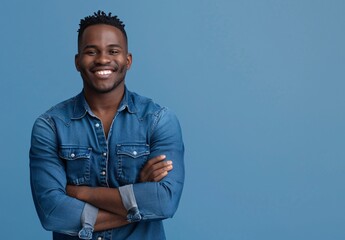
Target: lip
(95, 69)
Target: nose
(102, 58)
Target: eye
(90, 52)
(114, 51)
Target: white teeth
(103, 72)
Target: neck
(104, 102)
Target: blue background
(258, 87)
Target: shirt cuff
(130, 203)
(88, 220)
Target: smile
(103, 72)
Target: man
(98, 161)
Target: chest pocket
(77, 160)
(131, 158)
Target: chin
(108, 89)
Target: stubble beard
(121, 71)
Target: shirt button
(97, 125)
(104, 154)
(103, 173)
(72, 155)
(135, 153)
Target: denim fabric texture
(88, 220)
(130, 203)
(68, 146)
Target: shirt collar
(81, 107)
(127, 102)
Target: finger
(161, 170)
(149, 167)
(155, 170)
(160, 176)
(158, 168)
(159, 165)
(153, 161)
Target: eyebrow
(109, 46)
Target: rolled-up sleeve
(159, 200)
(57, 211)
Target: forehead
(101, 34)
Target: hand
(155, 169)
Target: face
(102, 59)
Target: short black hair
(101, 17)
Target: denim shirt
(68, 146)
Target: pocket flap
(133, 150)
(72, 153)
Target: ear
(76, 62)
(129, 61)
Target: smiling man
(107, 163)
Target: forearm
(107, 220)
(108, 199)
(158, 200)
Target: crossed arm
(157, 194)
(112, 212)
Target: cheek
(123, 69)
(83, 62)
